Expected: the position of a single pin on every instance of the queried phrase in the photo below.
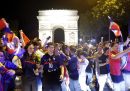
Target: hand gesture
(11, 72)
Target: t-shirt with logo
(51, 68)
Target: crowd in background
(60, 67)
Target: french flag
(114, 27)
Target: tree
(119, 10)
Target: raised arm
(119, 55)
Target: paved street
(106, 88)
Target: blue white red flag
(114, 27)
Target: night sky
(24, 12)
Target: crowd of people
(60, 67)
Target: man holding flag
(115, 28)
(124, 59)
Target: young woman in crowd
(30, 68)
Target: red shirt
(114, 64)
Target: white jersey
(82, 74)
(82, 67)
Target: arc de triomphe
(61, 25)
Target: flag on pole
(24, 38)
(5, 26)
(3, 23)
(114, 27)
(10, 43)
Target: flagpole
(109, 36)
(122, 38)
(23, 43)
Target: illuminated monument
(61, 25)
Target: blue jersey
(51, 68)
(73, 68)
(51, 63)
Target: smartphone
(48, 37)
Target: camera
(48, 37)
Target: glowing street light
(80, 39)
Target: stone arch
(65, 21)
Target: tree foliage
(95, 22)
(116, 8)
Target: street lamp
(80, 39)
